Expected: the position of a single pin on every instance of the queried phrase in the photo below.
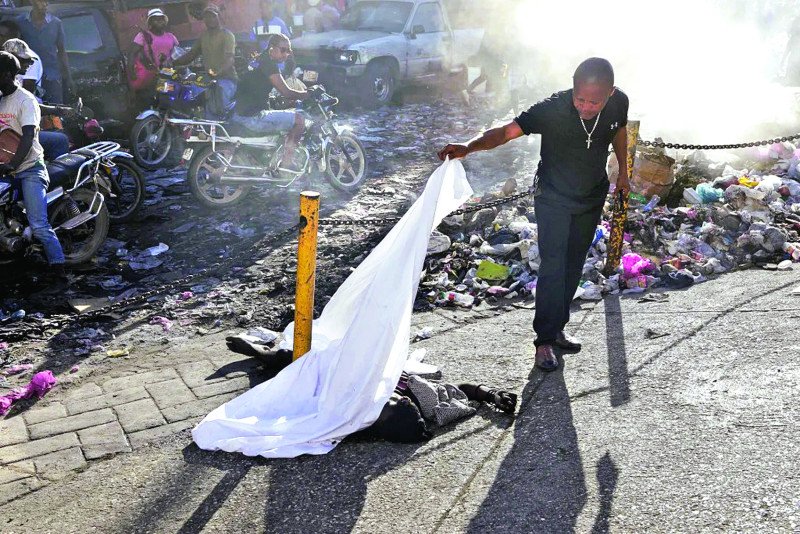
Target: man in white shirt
(30, 76)
(20, 112)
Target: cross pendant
(588, 142)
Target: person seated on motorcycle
(53, 143)
(20, 112)
(216, 46)
(252, 99)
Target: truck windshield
(81, 35)
(380, 16)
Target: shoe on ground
(545, 358)
(567, 343)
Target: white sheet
(360, 344)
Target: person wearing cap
(44, 33)
(151, 49)
(30, 76)
(216, 46)
(54, 143)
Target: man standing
(216, 46)
(45, 34)
(19, 111)
(269, 23)
(577, 127)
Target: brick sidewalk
(59, 435)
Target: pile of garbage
(733, 214)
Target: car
(384, 44)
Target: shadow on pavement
(540, 484)
(618, 378)
(607, 476)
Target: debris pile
(735, 214)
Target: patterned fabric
(440, 403)
(618, 218)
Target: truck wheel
(377, 85)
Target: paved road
(693, 431)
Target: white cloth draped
(360, 344)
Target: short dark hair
(594, 69)
(9, 63)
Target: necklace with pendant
(588, 133)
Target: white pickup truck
(383, 44)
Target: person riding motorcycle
(252, 102)
(20, 113)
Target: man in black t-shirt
(252, 97)
(577, 127)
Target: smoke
(696, 71)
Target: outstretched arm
(486, 141)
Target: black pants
(565, 235)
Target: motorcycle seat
(62, 169)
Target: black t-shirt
(568, 170)
(254, 87)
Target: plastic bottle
(651, 204)
(641, 199)
(793, 249)
(460, 299)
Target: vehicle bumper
(336, 77)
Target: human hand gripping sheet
(360, 344)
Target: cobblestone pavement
(104, 417)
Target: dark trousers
(565, 235)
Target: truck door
(429, 41)
(96, 62)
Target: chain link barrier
(661, 144)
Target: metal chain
(661, 144)
(20, 331)
(394, 220)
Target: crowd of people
(34, 69)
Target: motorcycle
(231, 159)
(127, 191)
(157, 137)
(75, 204)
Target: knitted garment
(440, 403)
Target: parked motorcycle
(233, 159)
(157, 140)
(127, 191)
(75, 204)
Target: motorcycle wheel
(81, 243)
(149, 154)
(205, 169)
(127, 185)
(340, 173)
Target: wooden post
(619, 214)
(306, 272)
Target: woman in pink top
(151, 49)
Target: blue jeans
(268, 121)
(227, 91)
(34, 188)
(54, 144)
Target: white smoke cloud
(696, 71)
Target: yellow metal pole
(306, 272)
(619, 214)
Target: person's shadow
(540, 484)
